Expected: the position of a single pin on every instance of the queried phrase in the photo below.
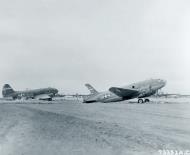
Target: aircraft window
(133, 86)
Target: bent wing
(125, 93)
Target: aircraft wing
(122, 92)
(42, 96)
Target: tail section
(91, 89)
(7, 90)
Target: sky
(65, 44)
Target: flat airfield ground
(73, 128)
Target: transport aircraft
(41, 94)
(140, 90)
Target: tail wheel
(140, 101)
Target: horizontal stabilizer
(125, 93)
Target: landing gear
(140, 100)
(146, 100)
(49, 99)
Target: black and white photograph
(95, 77)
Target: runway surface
(73, 128)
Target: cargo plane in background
(41, 94)
(140, 90)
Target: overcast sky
(66, 43)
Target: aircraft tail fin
(91, 89)
(7, 90)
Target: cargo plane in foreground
(140, 90)
(41, 94)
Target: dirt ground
(73, 128)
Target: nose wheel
(143, 100)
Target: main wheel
(140, 101)
(50, 99)
(146, 100)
